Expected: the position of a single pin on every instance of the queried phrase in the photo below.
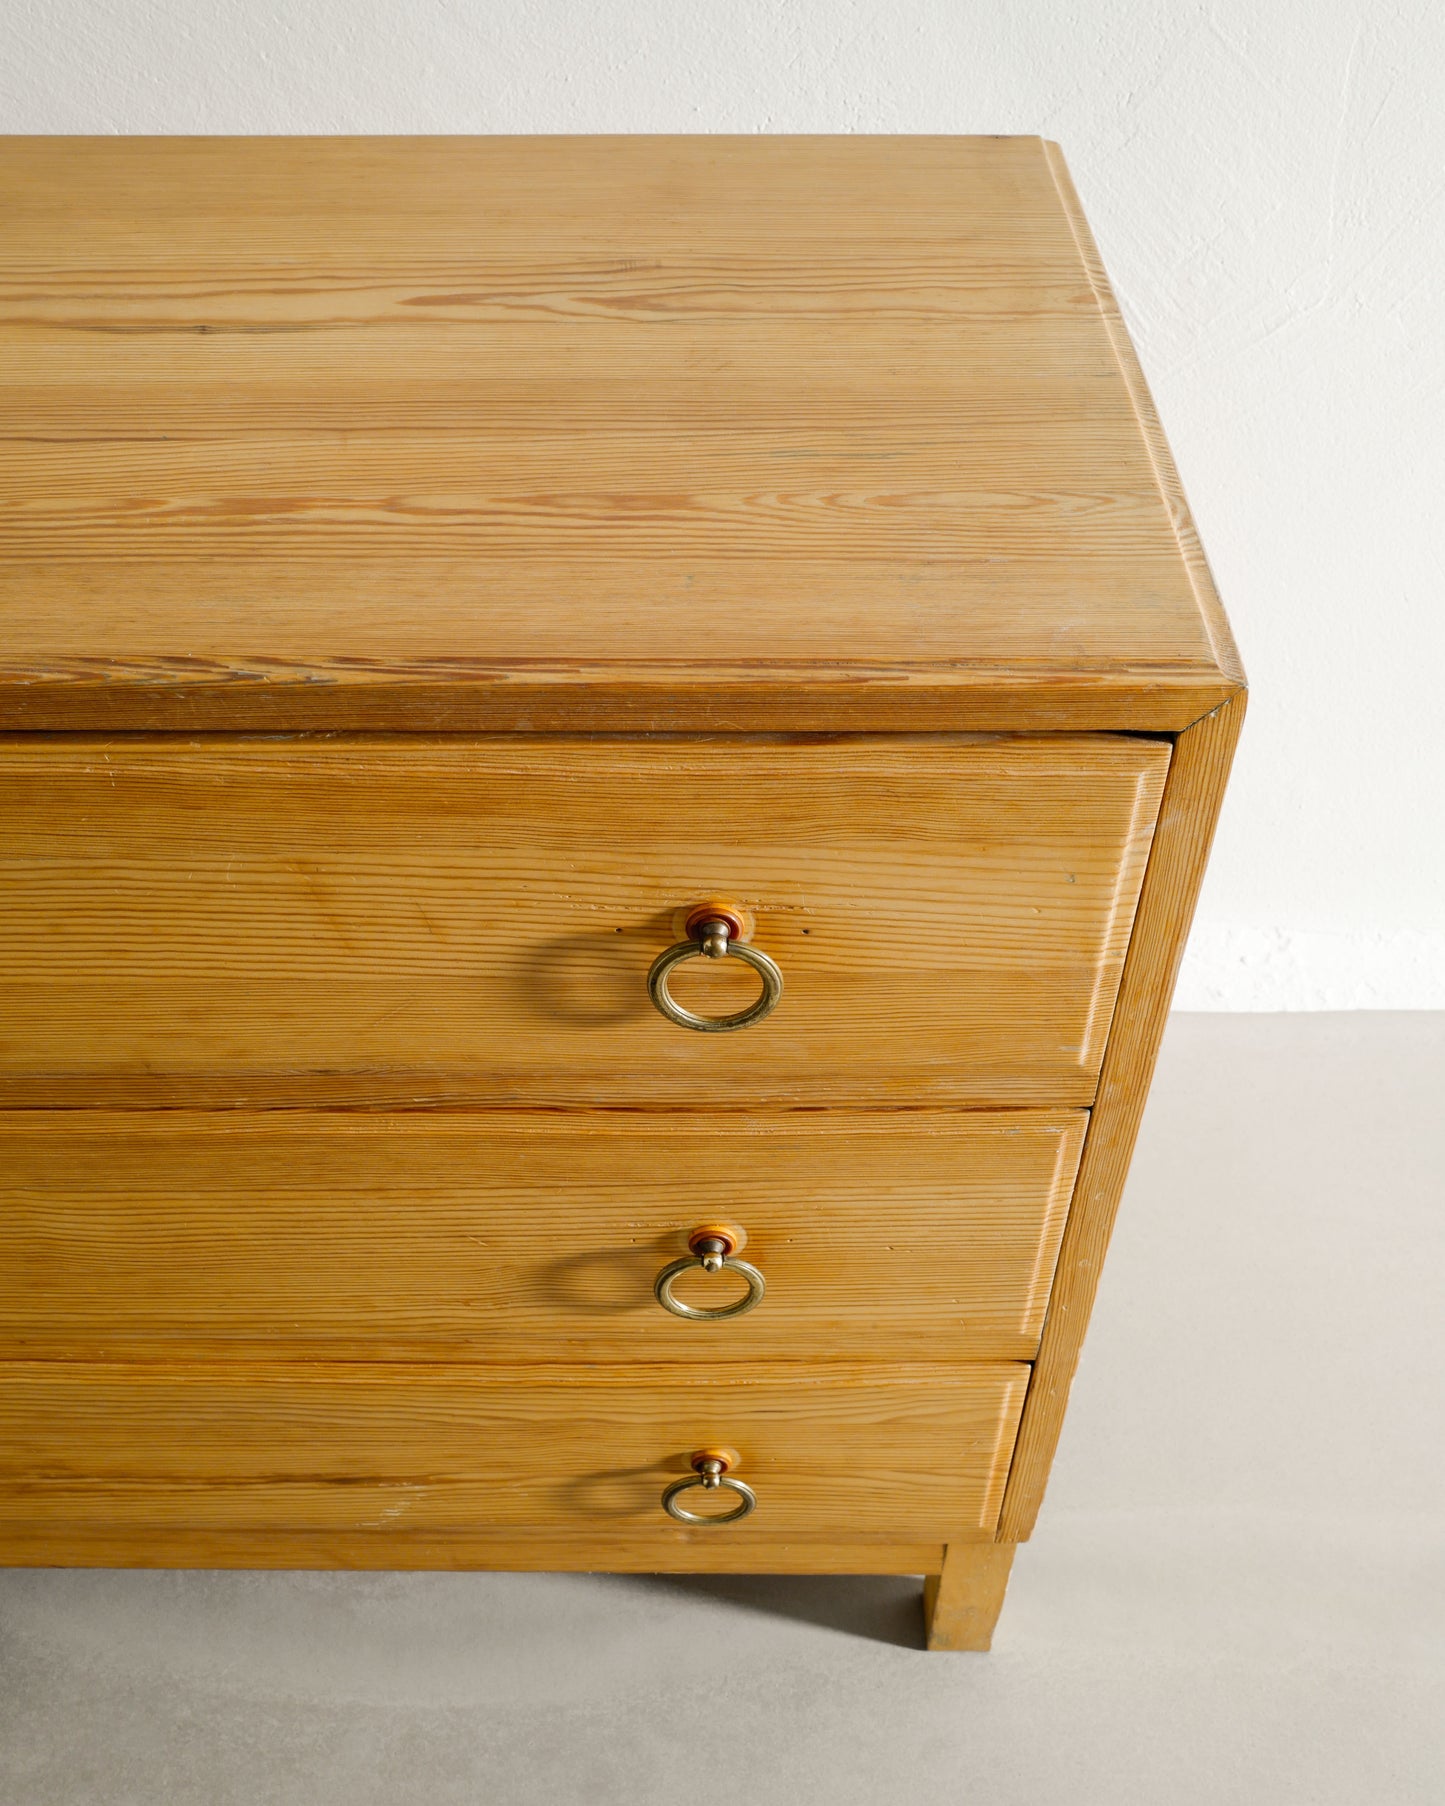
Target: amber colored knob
(713, 1249)
(711, 1470)
(713, 935)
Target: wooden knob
(709, 934)
(686, 923)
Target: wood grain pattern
(673, 1550)
(1192, 799)
(442, 1235)
(692, 440)
(412, 921)
(592, 433)
(907, 1453)
(962, 1601)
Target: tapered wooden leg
(961, 1605)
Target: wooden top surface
(588, 433)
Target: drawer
(912, 1451)
(413, 921)
(510, 1235)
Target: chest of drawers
(608, 745)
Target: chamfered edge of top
(1226, 659)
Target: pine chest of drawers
(608, 747)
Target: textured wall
(1267, 181)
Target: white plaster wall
(1267, 181)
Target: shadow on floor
(884, 1608)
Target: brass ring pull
(714, 1251)
(714, 939)
(710, 1471)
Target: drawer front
(901, 1452)
(413, 921)
(512, 1236)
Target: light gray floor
(1235, 1594)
